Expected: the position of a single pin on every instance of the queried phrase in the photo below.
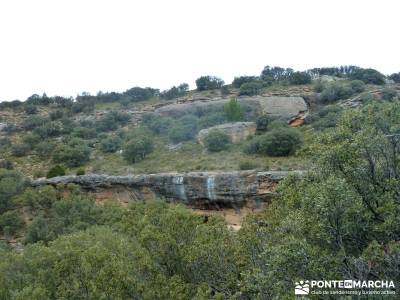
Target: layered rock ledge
(196, 188)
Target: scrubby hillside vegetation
(338, 220)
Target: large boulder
(283, 107)
(237, 131)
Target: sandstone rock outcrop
(282, 107)
(238, 131)
(197, 188)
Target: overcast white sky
(66, 47)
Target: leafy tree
(55, 171)
(158, 124)
(336, 220)
(233, 111)
(217, 141)
(204, 83)
(137, 149)
(336, 91)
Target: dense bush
(20, 149)
(45, 149)
(358, 86)
(336, 91)
(175, 92)
(212, 119)
(137, 149)
(31, 109)
(238, 81)
(233, 111)
(6, 164)
(111, 144)
(55, 171)
(80, 172)
(395, 77)
(74, 154)
(185, 129)
(158, 124)
(368, 76)
(50, 129)
(278, 142)
(32, 122)
(11, 221)
(389, 94)
(11, 184)
(204, 83)
(141, 94)
(217, 141)
(299, 78)
(250, 88)
(112, 121)
(263, 121)
(247, 165)
(270, 74)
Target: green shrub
(233, 111)
(20, 149)
(33, 122)
(336, 91)
(238, 81)
(158, 124)
(6, 164)
(296, 78)
(11, 184)
(50, 129)
(211, 119)
(45, 149)
(277, 142)
(11, 221)
(368, 76)
(80, 172)
(55, 171)
(275, 124)
(263, 121)
(389, 94)
(358, 86)
(31, 110)
(247, 165)
(111, 144)
(395, 77)
(280, 142)
(74, 154)
(112, 121)
(204, 83)
(137, 149)
(183, 131)
(217, 141)
(251, 88)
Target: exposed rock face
(282, 107)
(198, 189)
(238, 131)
